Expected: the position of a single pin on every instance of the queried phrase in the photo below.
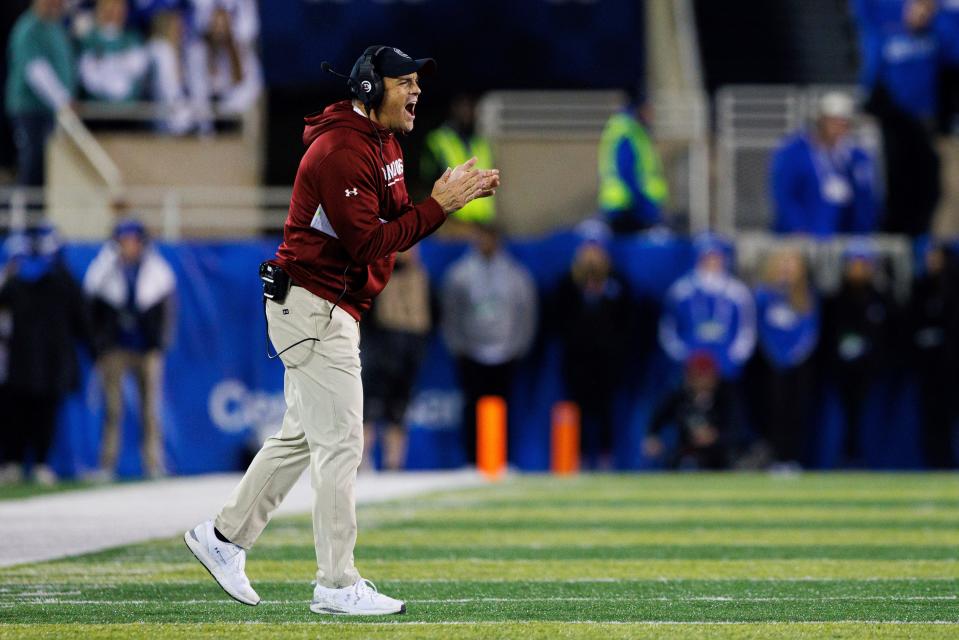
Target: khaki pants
(147, 370)
(322, 428)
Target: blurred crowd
(747, 359)
(757, 358)
(193, 60)
(761, 361)
(121, 315)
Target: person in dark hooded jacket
(43, 317)
(593, 314)
(857, 339)
(933, 334)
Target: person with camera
(349, 215)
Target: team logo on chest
(393, 172)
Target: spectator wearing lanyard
(489, 318)
(710, 311)
(822, 182)
(857, 333)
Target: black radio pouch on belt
(276, 282)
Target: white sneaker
(11, 473)
(44, 475)
(360, 599)
(224, 560)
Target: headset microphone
(326, 66)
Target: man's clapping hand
(458, 186)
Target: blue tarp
(221, 392)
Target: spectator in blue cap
(823, 183)
(42, 318)
(131, 289)
(856, 333)
(709, 310)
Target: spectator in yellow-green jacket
(452, 144)
(632, 187)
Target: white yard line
(75, 522)
(20, 600)
(339, 621)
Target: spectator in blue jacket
(787, 313)
(710, 311)
(822, 182)
(901, 44)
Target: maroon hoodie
(350, 211)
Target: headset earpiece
(367, 85)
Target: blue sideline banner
(220, 390)
(222, 395)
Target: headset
(365, 82)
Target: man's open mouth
(411, 108)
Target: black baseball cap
(390, 62)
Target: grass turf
(704, 556)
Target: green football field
(637, 556)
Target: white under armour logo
(351, 192)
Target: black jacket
(43, 322)
(859, 325)
(154, 322)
